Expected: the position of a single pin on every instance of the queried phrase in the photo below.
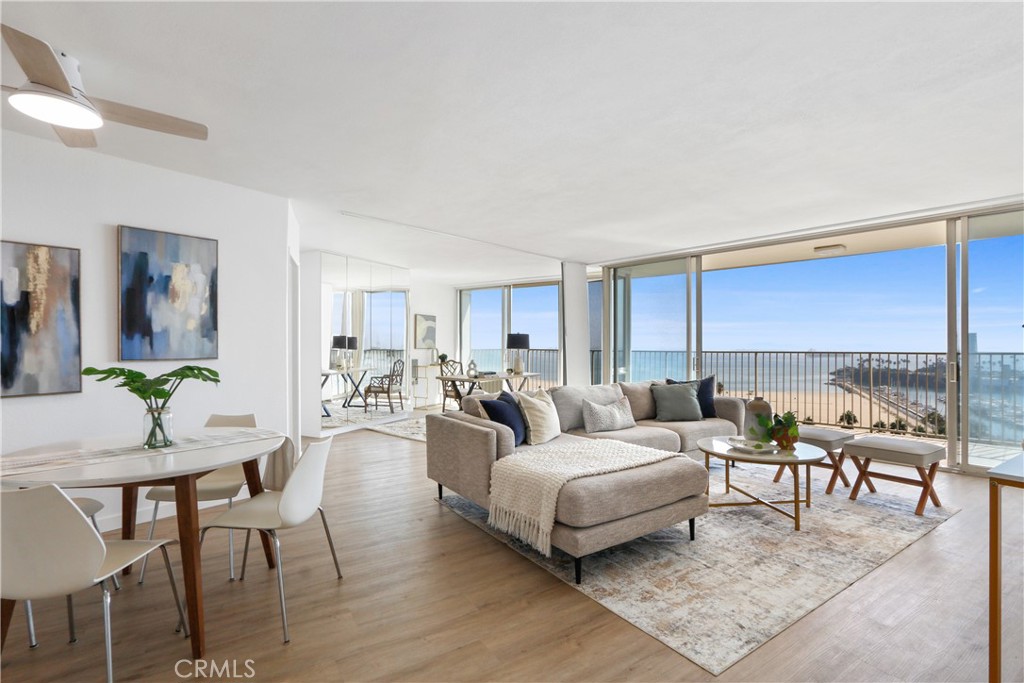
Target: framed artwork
(40, 318)
(167, 295)
(426, 331)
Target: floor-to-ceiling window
(489, 315)
(384, 328)
(650, 327)
(595, 305)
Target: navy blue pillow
(705, 394)
(505, 410)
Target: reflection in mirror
(366, 305)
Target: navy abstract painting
(168, 295)
(39, 320)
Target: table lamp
(517, 342)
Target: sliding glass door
(990, 283)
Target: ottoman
(917, 453)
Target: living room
(477, 146)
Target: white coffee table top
(720, 447)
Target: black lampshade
(517, 341)
(338, 342)
(353, 343)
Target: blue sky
(891, 301)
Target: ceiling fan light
(56, 107)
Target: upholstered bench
(831, 441)
(919, 454)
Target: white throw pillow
(607, 418)
(541, 417)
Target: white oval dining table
(115, 461)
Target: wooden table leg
(807, 474)
(255, 484)
(995, 584)
(187, 508)
(796, 495)
(6, 612)
(129, 503)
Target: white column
(575, 325)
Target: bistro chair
(271, 511)
(48, 548)
(452, 388)
(386, 385)
(217, 485)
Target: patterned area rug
(415, 429)
(748, 575)
(349, 417)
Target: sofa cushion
(641, 400)
(569, 402)
(471, 403)
(652, 437)
(541, 417)
(506, 410)
(691, 432)
(705, 394)
(676, 402)
(602, 498)
(614, 416)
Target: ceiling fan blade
(144, 118)
(75, 137)
(37, 59)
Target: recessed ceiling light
(829, 249)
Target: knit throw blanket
(525, 486)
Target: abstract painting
(426, 331)
(39, 327)
(168, 295)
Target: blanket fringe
(522, 526)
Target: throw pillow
(505, 410)
(541, 417)
(676, 402)
(608, 418)
(705, 394)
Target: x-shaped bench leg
(928, 487)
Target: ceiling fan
(54, 93)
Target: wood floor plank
(429, 597)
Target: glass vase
(752, 427)
(157, 428)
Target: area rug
(349, 417)
(748, 575)
(415, 429)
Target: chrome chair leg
(280, 584)
(72, 638)
(245, 553)
(32, 642)
(106, 632)
(174, 590)
(152, 527)
(330, 541)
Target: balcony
(885, 392)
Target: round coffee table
(805, 454)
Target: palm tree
(899, 424)
(848, 418)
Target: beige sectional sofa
(596, 512)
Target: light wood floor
(428, 597)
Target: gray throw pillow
(676, 402)
(609, 418)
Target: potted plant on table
(782, 429)
(156, 392)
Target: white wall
(77, 198)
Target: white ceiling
(587, 132)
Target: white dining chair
(90, 507)
(217, 485)
(271, 511)
(48, 548)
